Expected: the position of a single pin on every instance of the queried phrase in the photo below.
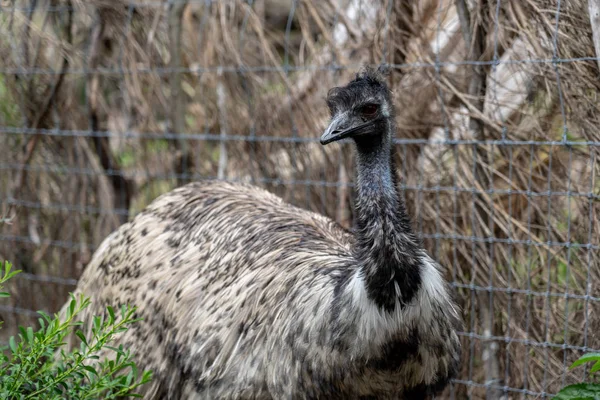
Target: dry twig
(594, 8)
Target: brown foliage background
(105, 104)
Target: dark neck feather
(387, 250)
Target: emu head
(361, 110)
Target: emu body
(247, 297)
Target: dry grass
(136, 77)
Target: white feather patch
(375, 325)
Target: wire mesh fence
(106, 105)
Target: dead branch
(26, 32)
(177, 95)
(101, 144)
(475, 47)
(594, 8)
(474, 35)
(49, 98)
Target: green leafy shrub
(4, 277)
(37, 367)
(583, 391)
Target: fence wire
(106, 105)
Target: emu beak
(336, 130)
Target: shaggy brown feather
(244, 296)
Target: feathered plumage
(246, 297)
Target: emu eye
(368, 110)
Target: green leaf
(7, 274)
(4, 294)
(116, 350)
(586, 358)
(129, 378)
(12, 344)
(579, 391)
(97, 324)
(146, 376)
(90, 370)
(81, 336)
(111, 313)
(7, 277)
(72, 307)
(44, 315)
(64, 385)
(30, 334)
(595, 368)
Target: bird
(244, 296)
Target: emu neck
(387, 250)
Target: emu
(244, 296)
